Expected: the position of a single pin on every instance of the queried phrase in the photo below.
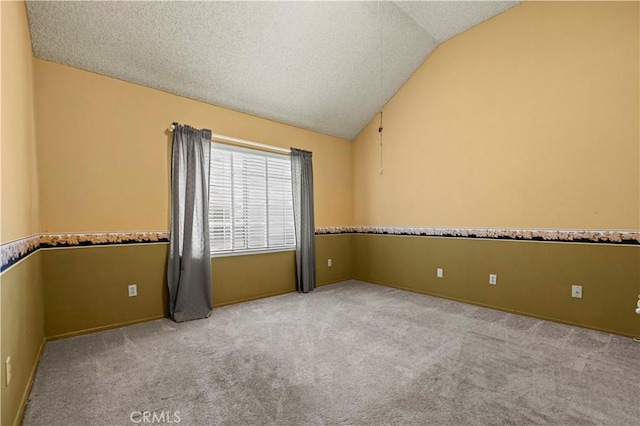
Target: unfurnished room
(320, 213)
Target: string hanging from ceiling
(381, 46)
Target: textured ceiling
(316, 65)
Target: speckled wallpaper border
(70, 240)
(15, 251)
(559, 235)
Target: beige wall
(19, 183)
(530, 120)
(21, 292)
(103, 152)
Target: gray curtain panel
(302, 187)
(189, 268)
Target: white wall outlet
(493, 279)
(439, 273)
(329, 262)
(7, 371)
(576, 291)
(133, 290)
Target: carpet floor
(346, 354)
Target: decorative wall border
(15, 251)
(97, 239)
(558, 235)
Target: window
(250, 202)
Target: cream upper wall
(104, 153)
(529, 120)
(19, 182)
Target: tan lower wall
(338, 248)
(248, 277)
(534, 278)
(240, 278)
(86, 287)
(23, 332)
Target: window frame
(249, 251)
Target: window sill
(250, 252)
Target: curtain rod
(216, 137)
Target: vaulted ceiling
(324, 66)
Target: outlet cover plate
(493, 279)
(439, 273)
(133, 290)
(576, 291)
(7, 370)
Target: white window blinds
(250, 204)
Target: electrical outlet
(7, 370)
(329, 262)
(133, 290)
(439, 273)
(576, 291)
(493, 279)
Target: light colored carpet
(350, 353)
